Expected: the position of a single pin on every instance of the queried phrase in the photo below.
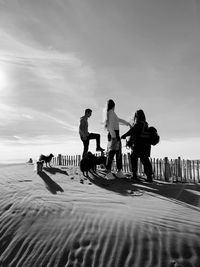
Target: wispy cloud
(42, 90)
(59, 57)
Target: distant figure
(140, 145)
(30, 161)
(114, 143)
(85, 135)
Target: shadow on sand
(120, 186)
(52, 186)
(179, 192)
(54, 170)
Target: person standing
(85, 135)
(140, 145)
(114, 143)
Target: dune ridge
(90, 224)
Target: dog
(46, 159)
(88, 163)
(101, 160)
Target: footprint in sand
(135, 192)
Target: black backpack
(149, 135)
(153, 136)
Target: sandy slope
(58, 218)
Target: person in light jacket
(111, 123)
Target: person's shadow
(52, 186)
(179, 193)
(54, 170)
(120, 186)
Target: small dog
(46, 159)
(88, 163)
(101, 160)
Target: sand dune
(59, 218)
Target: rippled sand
(58, 218)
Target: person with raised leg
(85, 135)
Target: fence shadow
(52, 186)
(185, 193)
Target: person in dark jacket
(140, 145)
(85, 135)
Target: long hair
(139, 116)
(109, 105)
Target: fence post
(184, 171)
(59, 159)
(193, 167)
(79, 159)
(157, 169)
(160, 167)
(124, 162)
(190, 163)
(166, 169)
(176, 169)
(198, 171)
(129, 162)
(153, 166)
(123, 165)
(179, 168)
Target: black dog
(88, 163)
(46, 159)
(101, 160)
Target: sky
(59, 57)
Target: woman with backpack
(140, 145)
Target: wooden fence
(169, 170)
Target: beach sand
(59, 218)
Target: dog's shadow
(52, 186)
(54, 170)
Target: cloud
(28, 123)
(59, 57)
(44, 91)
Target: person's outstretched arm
(124, 122)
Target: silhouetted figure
(114, 142)
(30, 161)
(140, 145)
(88, 163)
(85, 135)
